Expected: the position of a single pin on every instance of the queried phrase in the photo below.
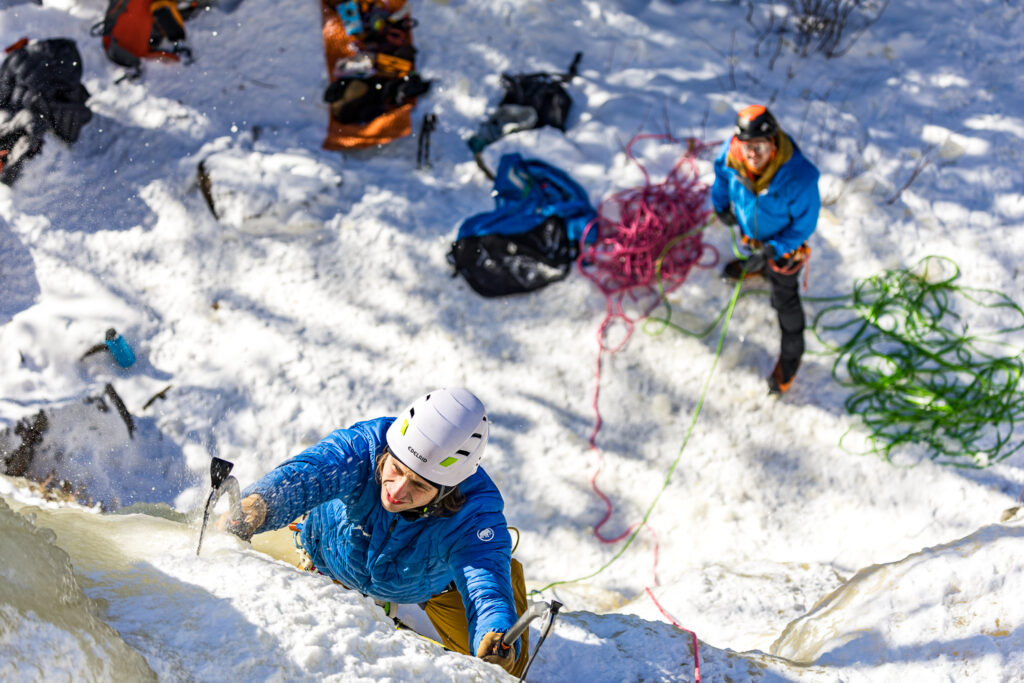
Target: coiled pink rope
(634, 227)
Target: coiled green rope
(922, 379)
(917, 382)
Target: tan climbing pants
(448, 615)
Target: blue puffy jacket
(785, 214)
(352, 538)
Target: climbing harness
(787, 264)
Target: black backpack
(544, 92)
(531, 237)
(497, 265)
(43, 77)
(530, 101)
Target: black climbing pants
(786, 302)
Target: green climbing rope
(919, 378)
(923, 380)
(654, 325)
(665, 323)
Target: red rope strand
(693, 636)
(633, 229)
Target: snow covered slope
(322, 296)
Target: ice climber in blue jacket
(766, 186)
(400, 510)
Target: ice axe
(221, 482)
(535, 610)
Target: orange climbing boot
(777, 385)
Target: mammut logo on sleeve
(485, 534)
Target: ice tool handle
(535, 610)
(221, 482)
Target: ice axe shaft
(535, 610)
(221, 483)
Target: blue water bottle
(119, 348)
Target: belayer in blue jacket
(766, 186)
(400, 510)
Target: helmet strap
(442, 493)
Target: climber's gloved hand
(492, 650)
(726, 217)
(759, 258)
(254, 512)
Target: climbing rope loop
(643, 244)
(633, 229)
(935, 367)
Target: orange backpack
(134, 30)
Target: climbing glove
(254, 511)
(726, 217)
(759, 259)
(492, 650)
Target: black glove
(726, 217)
(760, 258)
(241, 528)
(754, 263)
(67, 119)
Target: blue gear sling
(531, 238)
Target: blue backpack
(532, 236)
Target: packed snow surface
(320, 295)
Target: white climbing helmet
(441, 437)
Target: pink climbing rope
(634, 228)
(693, 636)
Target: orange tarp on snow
(339, 45)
